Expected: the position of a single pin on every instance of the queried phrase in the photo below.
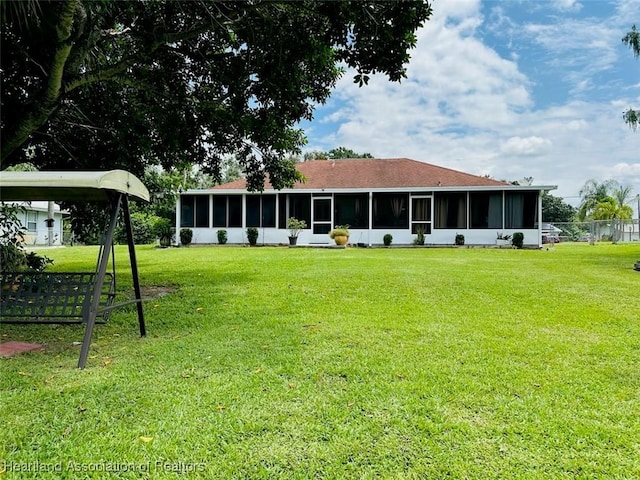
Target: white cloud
(626, 171)
(466, 107)
(567, 5)
(528, 146)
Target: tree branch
(35, 116)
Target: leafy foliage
(632, 39)
(133, 84)
(459, 240)
(592, 193)
(339, 231)
(13, 257)
(163, 231)
(186, 235)
(555, 209)
(12, 254)
(37, 263)
(335, 154)
(518, 239)
(222, 236)
(252, 235)
(387, 239)
(143, 226)
(295, 226)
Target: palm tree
(593, 193)
(632, 39)
(623, 195)
(610, 209)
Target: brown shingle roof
(377, 173)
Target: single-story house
(34, 219)
(374, 197)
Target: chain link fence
(616, 231)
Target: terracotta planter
(341, 239)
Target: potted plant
(419, 240)
(295, 226)
(340, 234)
(503, 239)
(252, 235)
(164, 232)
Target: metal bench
(46, 297)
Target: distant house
(375, 197)
(34, 220)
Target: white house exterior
(374, 197)
(34, 220)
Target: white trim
(328, 191)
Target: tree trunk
(45, 104)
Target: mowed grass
(357, 363)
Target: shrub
(37, 263)
(419, 240)
(222, 236)
(186, 235)
(387, 239)
(459, 239)
(12, 255)
(143, 227)
(518, 239)
(12, 258)
(252, 235)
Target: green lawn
(357, 363)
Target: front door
(321, 219)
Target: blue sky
(511, 89)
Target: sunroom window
(450, 210)
(390, 210)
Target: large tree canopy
(110, 84)
(335, 154)
(556, 210)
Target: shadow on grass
(170, 309)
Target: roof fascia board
(239, 191)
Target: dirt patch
(150, 292)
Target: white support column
(178, 201)
(210, 211)
(50, 222)
(540, 193)
(370, 216)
